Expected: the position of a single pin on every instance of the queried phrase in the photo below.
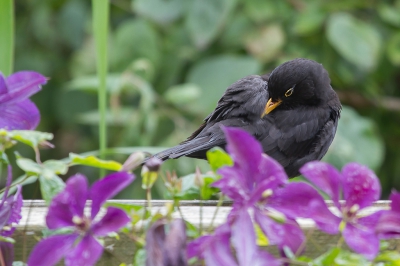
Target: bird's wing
(242, 103)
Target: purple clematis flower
(10, 215)
(258, 183)
(66, 210)
(10, 208)
(216, 249)
(166, 247)
(360, 188)
(17, 111)
(389, 223)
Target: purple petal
(218, 252)
(51, 250)
(175, 250)
(3, 85)
(21, 85)
(112, 221)
(325, 177)
(388, 225)
(6, 251)
(231, 184)
(360, 185)
(287, 234)
(68, 203)
(301, 200)
(199, 246)
(395, 201)
(364, 242)
(107, 188)
(270, 169)
(10, 212)
(167, 249)
(87, 252)
(243, 238)
(245, 151)
(196, 247)
(23, 115)
(263, 258)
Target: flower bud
(133, 161)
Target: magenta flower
(215, 249)
(10, 215)
(360, 188)
(17, 111)
(10, 208)
(81, 247)
(258, 183)
(166, 247)
(389, 223)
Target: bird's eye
(289, 92)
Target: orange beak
(270, 106)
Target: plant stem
(6, 36)
(148, 196)
(201, 217)
(220, 201)
(100, 31)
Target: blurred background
(171, 60)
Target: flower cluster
(260, 191)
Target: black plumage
(293, 112)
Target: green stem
(148, 197)
(6, 36)
(220, 201)
(100, 31)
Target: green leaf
(29, 137)
(389, 258)
(50, 186)
(347, 258)
(357, 139)
(261, 11)
(328, 258)
(29, 166)
(191, 230)
(205, 19)
(217, 158)
(160, 11)
(52, 167)
(271, 36)
(189, 189)
(310, 20)
(206, 190)
(94, 162)
(145, 39)
(140, 258)
(215, 74)
(183, 94)
(7, 239)
(355, 40)
(393, 49)
(389, 13)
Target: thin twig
(220, 201)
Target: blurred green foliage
(170, 61)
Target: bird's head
(297, 82)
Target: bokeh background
(171, 60)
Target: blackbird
(293, 112)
